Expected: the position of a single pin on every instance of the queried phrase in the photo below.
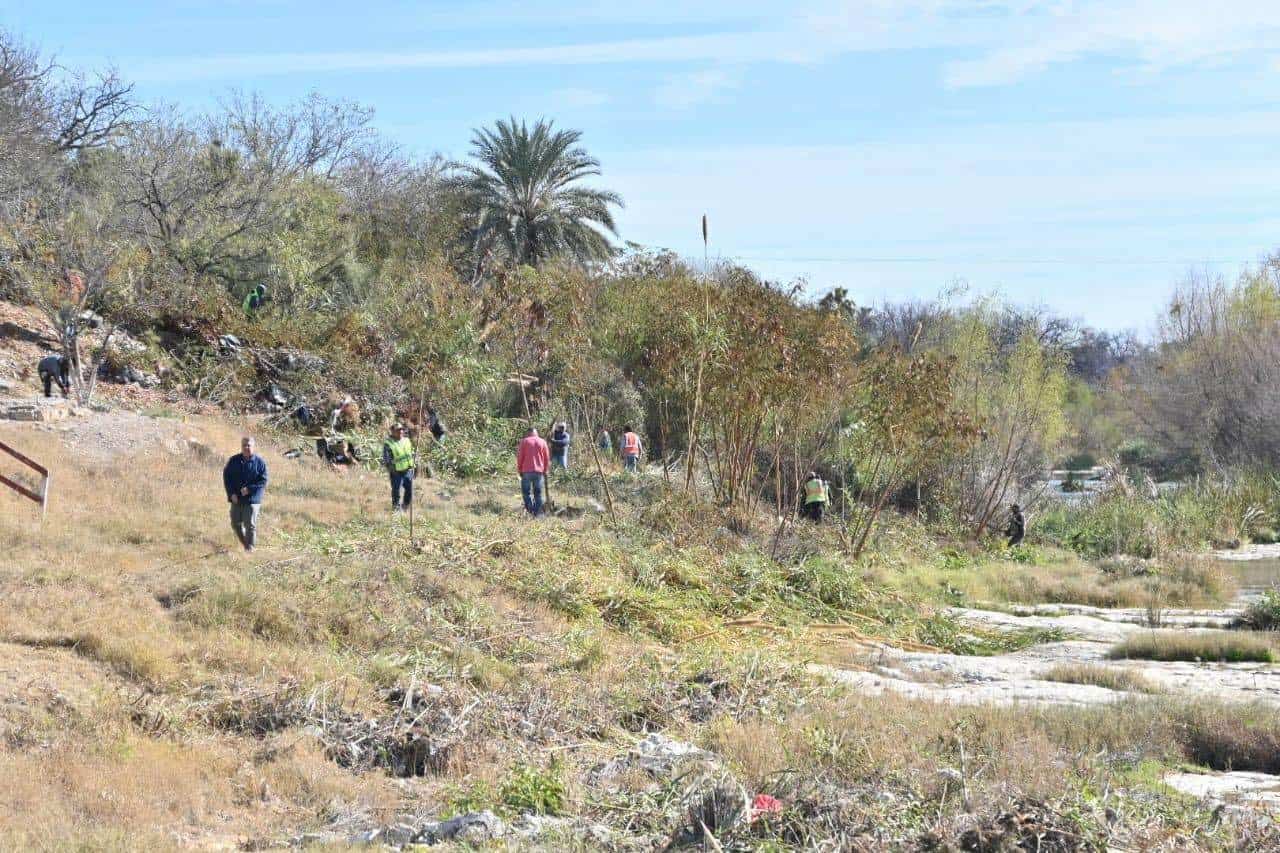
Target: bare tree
(26, 155)
(1208, 390)
(208, 192)
(68, 255)
(90, 114)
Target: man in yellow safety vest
(815, 496)
(398, 458)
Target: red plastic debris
(764, 805)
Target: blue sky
(1085, 155)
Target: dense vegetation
(416, 282)
(354, 673)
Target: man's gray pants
(244, 521)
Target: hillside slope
(570, 682)
(160, 690)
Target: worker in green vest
(815, 496)
(398, 458)
(254, 300)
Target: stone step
(34, 410)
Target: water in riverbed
(1254, 576)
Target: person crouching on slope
(245, 479)
(398, 459)
(55, 368)
(533, 458)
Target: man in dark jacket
(560, 445)
(245, 479)
(1017, 529)
(55, 368)
(435, 425)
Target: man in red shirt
(532, 460)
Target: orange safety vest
(630, 444)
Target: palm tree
(523, 197)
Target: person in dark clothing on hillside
(245, 480)
(55, 368)
(1017, 529)
(436, 425)
(560, 446)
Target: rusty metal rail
(41, 497)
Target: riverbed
(1021, 677)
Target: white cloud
(811, 32)
(1155, 34)
(695, 88)
(580, 98)
(1004, 40)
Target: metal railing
(41, 497)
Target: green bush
(480, 452)
(529, 789)
(1078, 461)
(955, 560)
(476, 797)
(1028, 555)
(1204, 513)
(1262, 614)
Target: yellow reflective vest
(815, 491)
(401, 454)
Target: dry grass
(178, 672)
(1100, 675)
(1063, 578)
(1216, 646)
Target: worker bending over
(1017, 528)
(816, 496)
(55, 368)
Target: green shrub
(955, 560)
(477, 453)
(1262, 614)
(1028, 555)
(466, 799)
(1192, 517)
(1078, 461)
(529, 789)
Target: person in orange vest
(631, 448)
(533, 458)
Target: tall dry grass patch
(1215, 646)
